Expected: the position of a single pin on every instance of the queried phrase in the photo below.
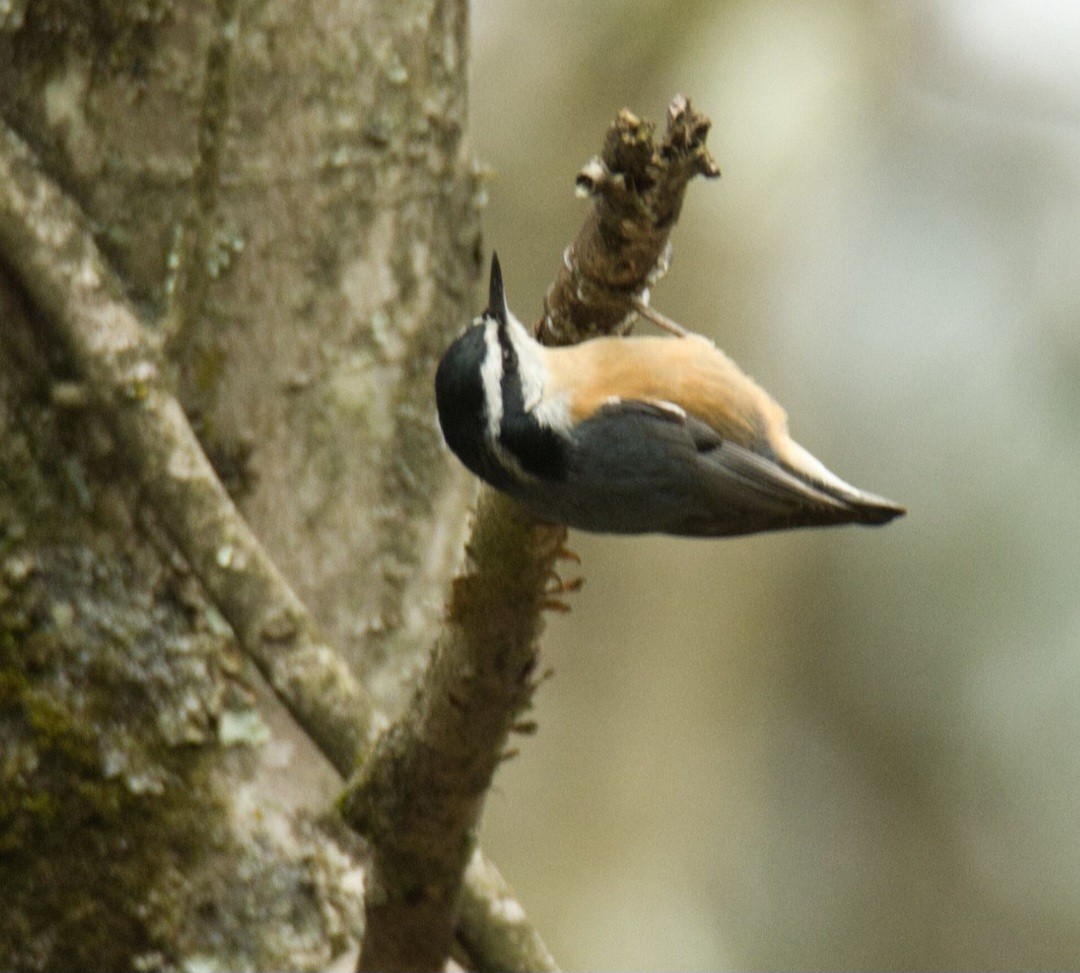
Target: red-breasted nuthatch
(632, 435)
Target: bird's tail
(858, 506)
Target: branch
(637, 185)
(420, 795)
(418, 798)
(46, 239)
(492, 923)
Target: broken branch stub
(637, 185)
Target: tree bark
(285, 191)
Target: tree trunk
(286, 194)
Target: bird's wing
(653, 454)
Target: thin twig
(46, 240)
(662, 321)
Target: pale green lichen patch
(116, 681)
(65, 109)
(12, 14)
(242, 728)
(107, 679)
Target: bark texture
(286, 191)
(309, 257)
(141, 823)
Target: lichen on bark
(124, 841)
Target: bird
(632, 435)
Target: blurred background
(845, 748)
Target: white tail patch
(810, 466)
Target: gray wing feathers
(651, 469)
(766, 480)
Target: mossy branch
(418, 797)
(420, 794)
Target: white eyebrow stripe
(491, 375)
(531, 371)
